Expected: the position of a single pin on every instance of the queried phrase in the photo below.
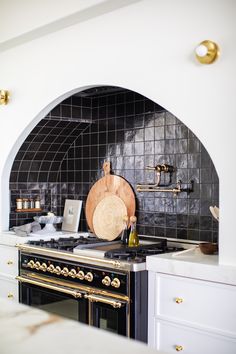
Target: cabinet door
(172, 338)
(9, 289)
(8, 260)
(196, 302)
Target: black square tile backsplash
(63, 156)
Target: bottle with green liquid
(133, 236)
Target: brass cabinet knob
(50, 268)
(37, 265)
(80, 275)
(106, 281)
(30, 264)
(179, 300)
(65, 272)
(72, 273)
(10, 296)
(179, 348)
(10, 262)
(43, 267)
(57, 270)
(115, 283)
(89, 277)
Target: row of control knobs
(71, 273)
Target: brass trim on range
(95, 298)
(60, 289)
(50, 252)
(68, 284)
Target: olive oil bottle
(133, 236)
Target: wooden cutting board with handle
(107, 186)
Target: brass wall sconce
(207, 52)
(4, 96)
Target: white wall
(20, 17)
(146, 47)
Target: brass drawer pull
(179, 348)
(10, 296)
(10, 262)
(179, 300)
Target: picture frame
(71, 215)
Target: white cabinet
(191, 316)
(8, 260)
(9, 288)
(8, 272)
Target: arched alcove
(62, 156)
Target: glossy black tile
(133, 132)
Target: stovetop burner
(66, 243)
(139, 254)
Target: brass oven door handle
(46, 285)
(95, 298)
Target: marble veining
(25, 330)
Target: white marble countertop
(25, 330)
(193, 264)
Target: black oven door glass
(54, 302)
(110, 319)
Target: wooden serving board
(107, 186)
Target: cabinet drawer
(9, 289)
(8, 260)
(172, 338)
(196, 302)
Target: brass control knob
(65, 272)
(50, 268)
(89, 277)
(37, 265)
(30, 264)
(106, 281)
(72, 273)
(179, 348)
(115, 283)
(80, 275)
(179, 300)
(57, 270)
(43, 267)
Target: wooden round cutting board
(108, 217)
(107, 186)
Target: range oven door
(56, 299)
(110, 314)
(105, 312)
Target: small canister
(31, 203)
(37, 203)
(19, 203)
(25, 203)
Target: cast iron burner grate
(65, 243)
(139, 254)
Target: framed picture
(71, 215)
